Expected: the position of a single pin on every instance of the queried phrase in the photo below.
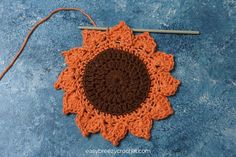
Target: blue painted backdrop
(204, 124)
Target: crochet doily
(117, 83)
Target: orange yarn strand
(34, 28)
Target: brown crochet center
(116, 82)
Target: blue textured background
(204, 125)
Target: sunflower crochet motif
(117, 83)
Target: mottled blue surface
(204, 125)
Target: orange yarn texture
(114, 127)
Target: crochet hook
(161, 31)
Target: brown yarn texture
(94, 83)
(116, 82)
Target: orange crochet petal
(144, 43)
(120, 36)
(167, 84)
(88, 121)
(163, 61)
(113, 132)
(72, 103)
(74, 56)
(141, 128)
(95, 39)
(66, 80)
(161, 108)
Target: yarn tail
(34, 28)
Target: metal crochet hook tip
(160, 31)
